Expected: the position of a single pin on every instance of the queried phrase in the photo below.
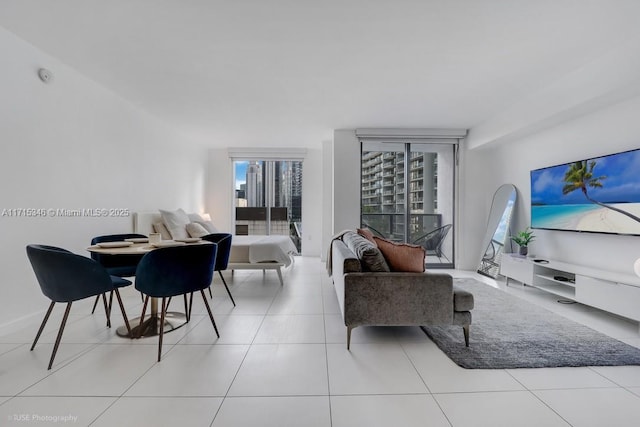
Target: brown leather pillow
(402, 256)
(367, 234)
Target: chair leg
(163, 312)
(59, 337)
(106, 309)
(211, 294)
(124, 314)
(110, 306)
(465, 329)
(110, 303)
(190, 304)
(349, 328)
(187, 313)
(95, 304)
(213, 322)
(144, 310)
(44, 322)
(226, 287)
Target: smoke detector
(45, 75)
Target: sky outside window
(241, 173)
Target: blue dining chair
(172, 271)
(223, 240)
(66, 277)
(116, 265)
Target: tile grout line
(226, 395)
(404, 350)
(326, 351)
(531, 392)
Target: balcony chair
(432, 241)
(66, 277)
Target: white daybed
(247, 252)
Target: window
(268, 198)
(407, 193)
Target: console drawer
(615, 297)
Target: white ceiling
(288, 72)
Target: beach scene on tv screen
(596, 195)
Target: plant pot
(524, 250)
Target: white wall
(72, 144)
(327, 197)
(477, 185)
(219, 196)
(609, 130)
(312, 181)
(346, 180)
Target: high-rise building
(384, 192)
(254, 185)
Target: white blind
(243, 153)
(400, 135)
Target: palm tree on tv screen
(580, 176)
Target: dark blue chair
(223, 240)
(116, 265)
(178, 270)
(66, 277)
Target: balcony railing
(391, 225)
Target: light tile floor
(281, 360)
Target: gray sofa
(395, 298)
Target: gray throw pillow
(370, 256)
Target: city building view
(268, 198)
(385, 193)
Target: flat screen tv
(598, 195)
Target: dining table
(151, 325)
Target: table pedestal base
(151, 325)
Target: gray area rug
(509, 332)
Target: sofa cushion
(402, 256)
(462, 300)
(370, 256)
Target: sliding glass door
(407, 195)
(268, 198)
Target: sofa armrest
(397, 298)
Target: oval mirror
(498, 230)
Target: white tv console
(617, 293)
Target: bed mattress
(256, 249)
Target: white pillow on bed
(159, 227)
(205, 221)
(196, 230)
(208, 225)
(194, 217)
(176, 222)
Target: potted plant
(523, 239)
